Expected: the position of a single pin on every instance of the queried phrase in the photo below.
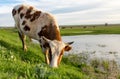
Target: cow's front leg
(23, 38)
(46, 56)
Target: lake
(96, 46)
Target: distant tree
(84, 27)
(94, 26)
(106, 24)
(71, 27)
(63, 27)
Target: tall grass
(17, 64)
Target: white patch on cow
(54, 61)
(56, 47)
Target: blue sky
(68, 12)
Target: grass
(17, 64)
(111, 29)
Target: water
(96, 46)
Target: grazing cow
(43, 27)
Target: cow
(41, 26)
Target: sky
(68, 12)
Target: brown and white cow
(43, 27)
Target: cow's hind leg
(23, 38)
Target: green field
(95, 29)
(17, 64)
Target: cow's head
(57, 49)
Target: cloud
(68, 11)
(97, 15)
(6, 19)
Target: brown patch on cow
(27, 28)
(21, 15)
(20, 9)
(28, 15)
(60, 57)
(43, 32)
(50, 32)
(54, 33)
(35, 15)
(23, 23)
(29, 10)
(13, 12)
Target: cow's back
(35, 23)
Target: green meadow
(90, 29)
(17, 64)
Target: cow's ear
(68, 47)
(69, 43)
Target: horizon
(80, 13)
(82, 25)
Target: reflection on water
(100, 46)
